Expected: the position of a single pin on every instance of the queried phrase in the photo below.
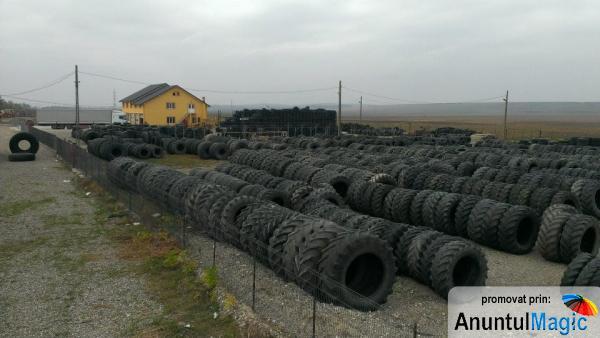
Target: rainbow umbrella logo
(579, 304)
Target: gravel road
(59, 274)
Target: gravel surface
(59, 274)
(287, 307)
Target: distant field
(518, 128)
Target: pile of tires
(538, 198)
(276, 165)
(428, 256)
(345, 266)
(19, 152)
(106, 148)
(565, 233)
(511, 228)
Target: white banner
(523, 312)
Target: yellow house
(165, 105)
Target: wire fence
(289, 309)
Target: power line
(217, 91)
(62, 104)
(418, 102)
(114, 78)
(48, 85)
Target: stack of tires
(20, 153)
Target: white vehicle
(61, 117)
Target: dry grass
(184, 161)
(551, 128)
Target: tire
(21, 157)
(416, 250)
(218, 151)
(553, 222)
(574, 269)
(363, 264)
(457, 263)
(429, 208)
(416, 207)
(34, 144)
(587, 193)
(277, 242)
(463, 212)
(230, 214)
(258, 227)
(518, 230)
(587, 273)
(398, 206)
(401, 249)
(580, 234)
(309, 252)
(377, 205)
(478, 220)
(204, 150)
(445, 213)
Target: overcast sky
(441, 51)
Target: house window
(170, 105)
(191, 106)
(170, 119)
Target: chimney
(203, 99)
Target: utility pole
(76, 97)
(114, 99)
(360, 110)
(339, 119)
(505, 115)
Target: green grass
(18, 207)
(184, 161)
(58, 220)
(169, 272)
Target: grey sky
(417, 50)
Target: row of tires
(346, 260)
(422, 264)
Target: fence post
(253, 281)
(314, 317)
(182, 226)
(214, 252)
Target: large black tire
(518, 229)
(574, 269)
(230, 214)
(587, 193)
(416, 250)
(478, 220)
(204, 150)
(589, 271)
(358, 270)
(21, 157)
(429, 208)
(218, 151)
(416, 207)
(34, 144)
(463, 212)
(580, 234)
(401, 249)
(551, 229)
(445, 213)
(458, 263)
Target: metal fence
(287, 308)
